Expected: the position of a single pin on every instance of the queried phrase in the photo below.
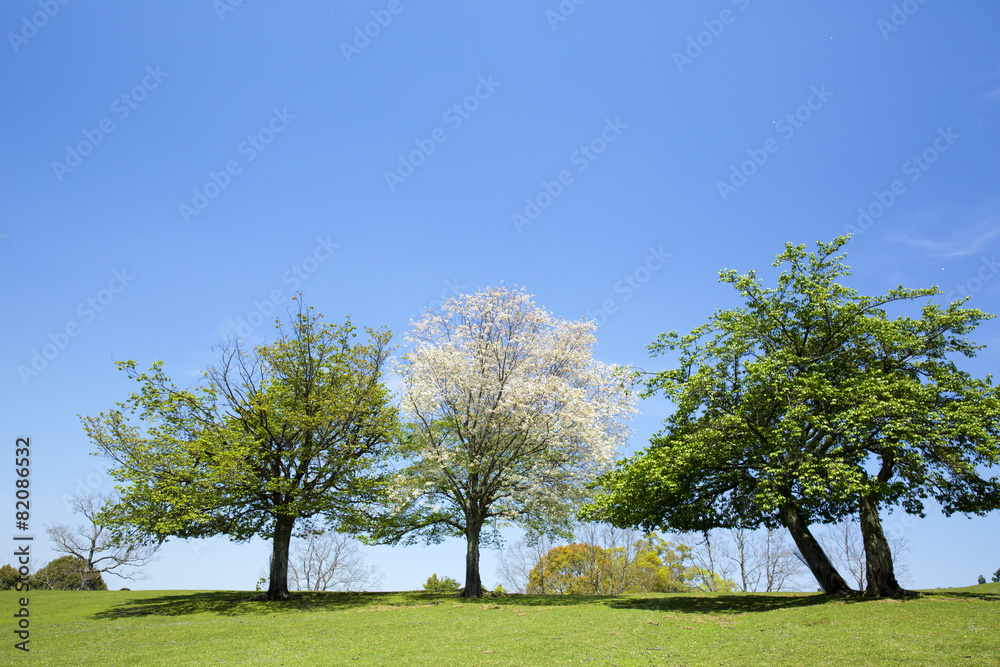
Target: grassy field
(943, 627)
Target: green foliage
(996, 577)
(291, 433)
(981, 580)
(68, 573)
(8, 577)
(703, 579)
(500, 590)
(800, 396)
(649, 565)
(443, 585)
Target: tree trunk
(826, 574)
(879, 570)
(278, 587)
(473, 584)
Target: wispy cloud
(955, 247)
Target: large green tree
(811, 403)
(274, 441)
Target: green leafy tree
(981, 580)
(8, 577)
(650, 564)
(996, 577)
(274, 441)
(440, 585)
(68, 573)
(810, 404)
(563, 571)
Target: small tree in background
(95, 544)
(8, 577)
(442, 585)
(981, 580)
(331, 562)
(996, 577)
(611, 565)
(519, 558)
(68, 573)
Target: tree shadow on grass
(945, 594)
(236, 603)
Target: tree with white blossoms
(509, 418)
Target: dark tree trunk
(879, 570)
(473, 584)
(278, 587)
(826, 574)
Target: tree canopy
(812, 403)
(509, 418)
(274, 440)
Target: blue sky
(173, 172)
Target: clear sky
(172, 173)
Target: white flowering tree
(510, 417)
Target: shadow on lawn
(233, 603)
(236, 603)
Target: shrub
(981, 580)
(444, 585)
(68, 573)
(8, 578)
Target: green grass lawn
(943, 627)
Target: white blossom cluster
(514, 415)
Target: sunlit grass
(945, 627)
